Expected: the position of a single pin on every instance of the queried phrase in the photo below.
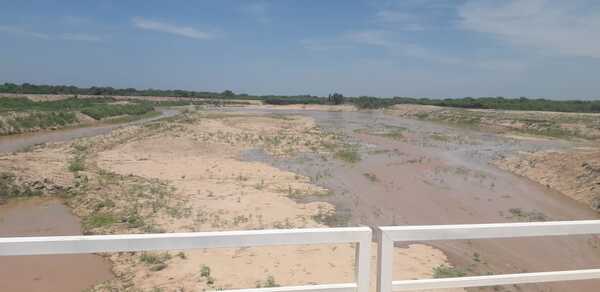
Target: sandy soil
(185, 174)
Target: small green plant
(158, 267)
(476, 257)
(445, 271)
(332, 218)
(156, 261)
(205, 271)
(530, 216)
(99, 220)
(348, 155)
(269, 282)
(77, 163)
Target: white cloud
(80, 37)
(183, 31)
(64, 36)
(23, 32)
(322, 45)
(369, 37)
(565, 27)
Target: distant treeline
(27, 88)
(522, 103)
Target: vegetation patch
(10, 187)
(529, 216)
(269, 282)
(333, 218)
(349, 155)
(20, 114)
(99, 220)
(446, 271)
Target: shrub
(77, 164)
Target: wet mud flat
(414, 172)
(39, 217)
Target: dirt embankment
(33, 121)
(547, 124)
(575, 173)
(184, 174)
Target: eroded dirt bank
(186, 174)
(573, 172)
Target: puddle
(39, 217)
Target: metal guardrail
(386, 236)
(180, 241)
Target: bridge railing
(361, 236)
(386, 236)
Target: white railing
(180, 241)
(386, 236)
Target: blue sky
(539, 48)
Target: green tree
(228, 93)
(336, 98)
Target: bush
(77, 163)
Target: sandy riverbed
(186, 174)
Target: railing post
(363, 263)
(385, 257)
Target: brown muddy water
(39, 217)
(433, 174)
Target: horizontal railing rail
(361, 236)
(386, 236)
